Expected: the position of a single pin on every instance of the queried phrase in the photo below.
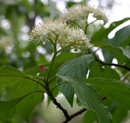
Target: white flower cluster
(77, 13)
(59, 32)
(4, 42)
(99, 15)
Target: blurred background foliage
(17, 18)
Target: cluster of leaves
(23, 90)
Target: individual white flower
(59, 32)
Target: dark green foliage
(19, 96)
(77, 67)
(82, 75)
(114, 90)
(89, 98)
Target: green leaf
(123, 61)
(120, 36)
(60, 59)
(77, 67)
(8, 108)
(67, 91)
(114, 90)
(66, 56)
(20, 89)
(9, 92)
(118, 39)
(18, 84)
(106, 46)
(10, 76)
(102, 34)
(89, 98)
(119, 114)
(104, 72)
(126, 42)
(88, 117)
(25, 106)
(123, 57)
(125, 51)
(113, 50)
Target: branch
(61, 108)
(78, 113)
(56, 103)
(110, 64)
(75, 114)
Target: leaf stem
(26, 78)
(37, 77)
(26, 96)
(57, 85)
(51, 80)
(35, 92)
(36, 81)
